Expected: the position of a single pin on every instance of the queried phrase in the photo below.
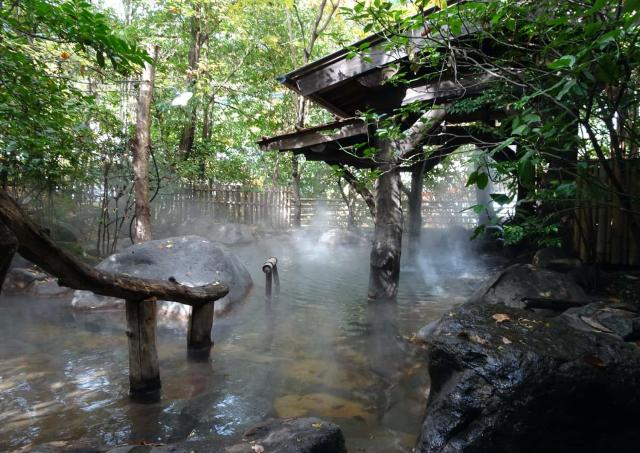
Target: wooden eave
(335, 143)
(346, 86)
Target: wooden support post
(199, 332)
(144, 371)
(8, 248)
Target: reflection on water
(319, 349)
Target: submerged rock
(191, 260)
(505, 379)
(293, 435)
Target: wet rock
(337, 237)
(293, 435)
(191, 260)
(555, 259)
(425, 332)
(22, 280)
(601, 317)
(226, 233)
(505, 379)
(520, 281)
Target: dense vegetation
(564, 72)
(69, 81)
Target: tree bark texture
(198, 38)
(37, 247)
(361, 189)
(144, 370)
(415, 209)
(141, 151)
(384, 272)
(199, 331)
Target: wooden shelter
(347, 85)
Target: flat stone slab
(190, 260)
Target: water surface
(319, 349)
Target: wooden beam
(315, 136)
(444, 90)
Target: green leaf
(482, 181)
(566, 61)
(527, 171)
(500, 198)
(570, 83)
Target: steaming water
(320, 349)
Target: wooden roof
(346, 85)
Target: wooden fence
(603, 231)
(439, 210)
(225, 203)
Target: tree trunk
(198, 38)
(415, 209)
(8, 248)
(384, 271)
(141, 150)
(295, 185)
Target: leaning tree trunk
(384, 272)
(141, 150)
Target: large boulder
(226, 233)
(525, 281)
(505, 379)
(21, 280)
(191, 260)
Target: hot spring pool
(319, 349)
